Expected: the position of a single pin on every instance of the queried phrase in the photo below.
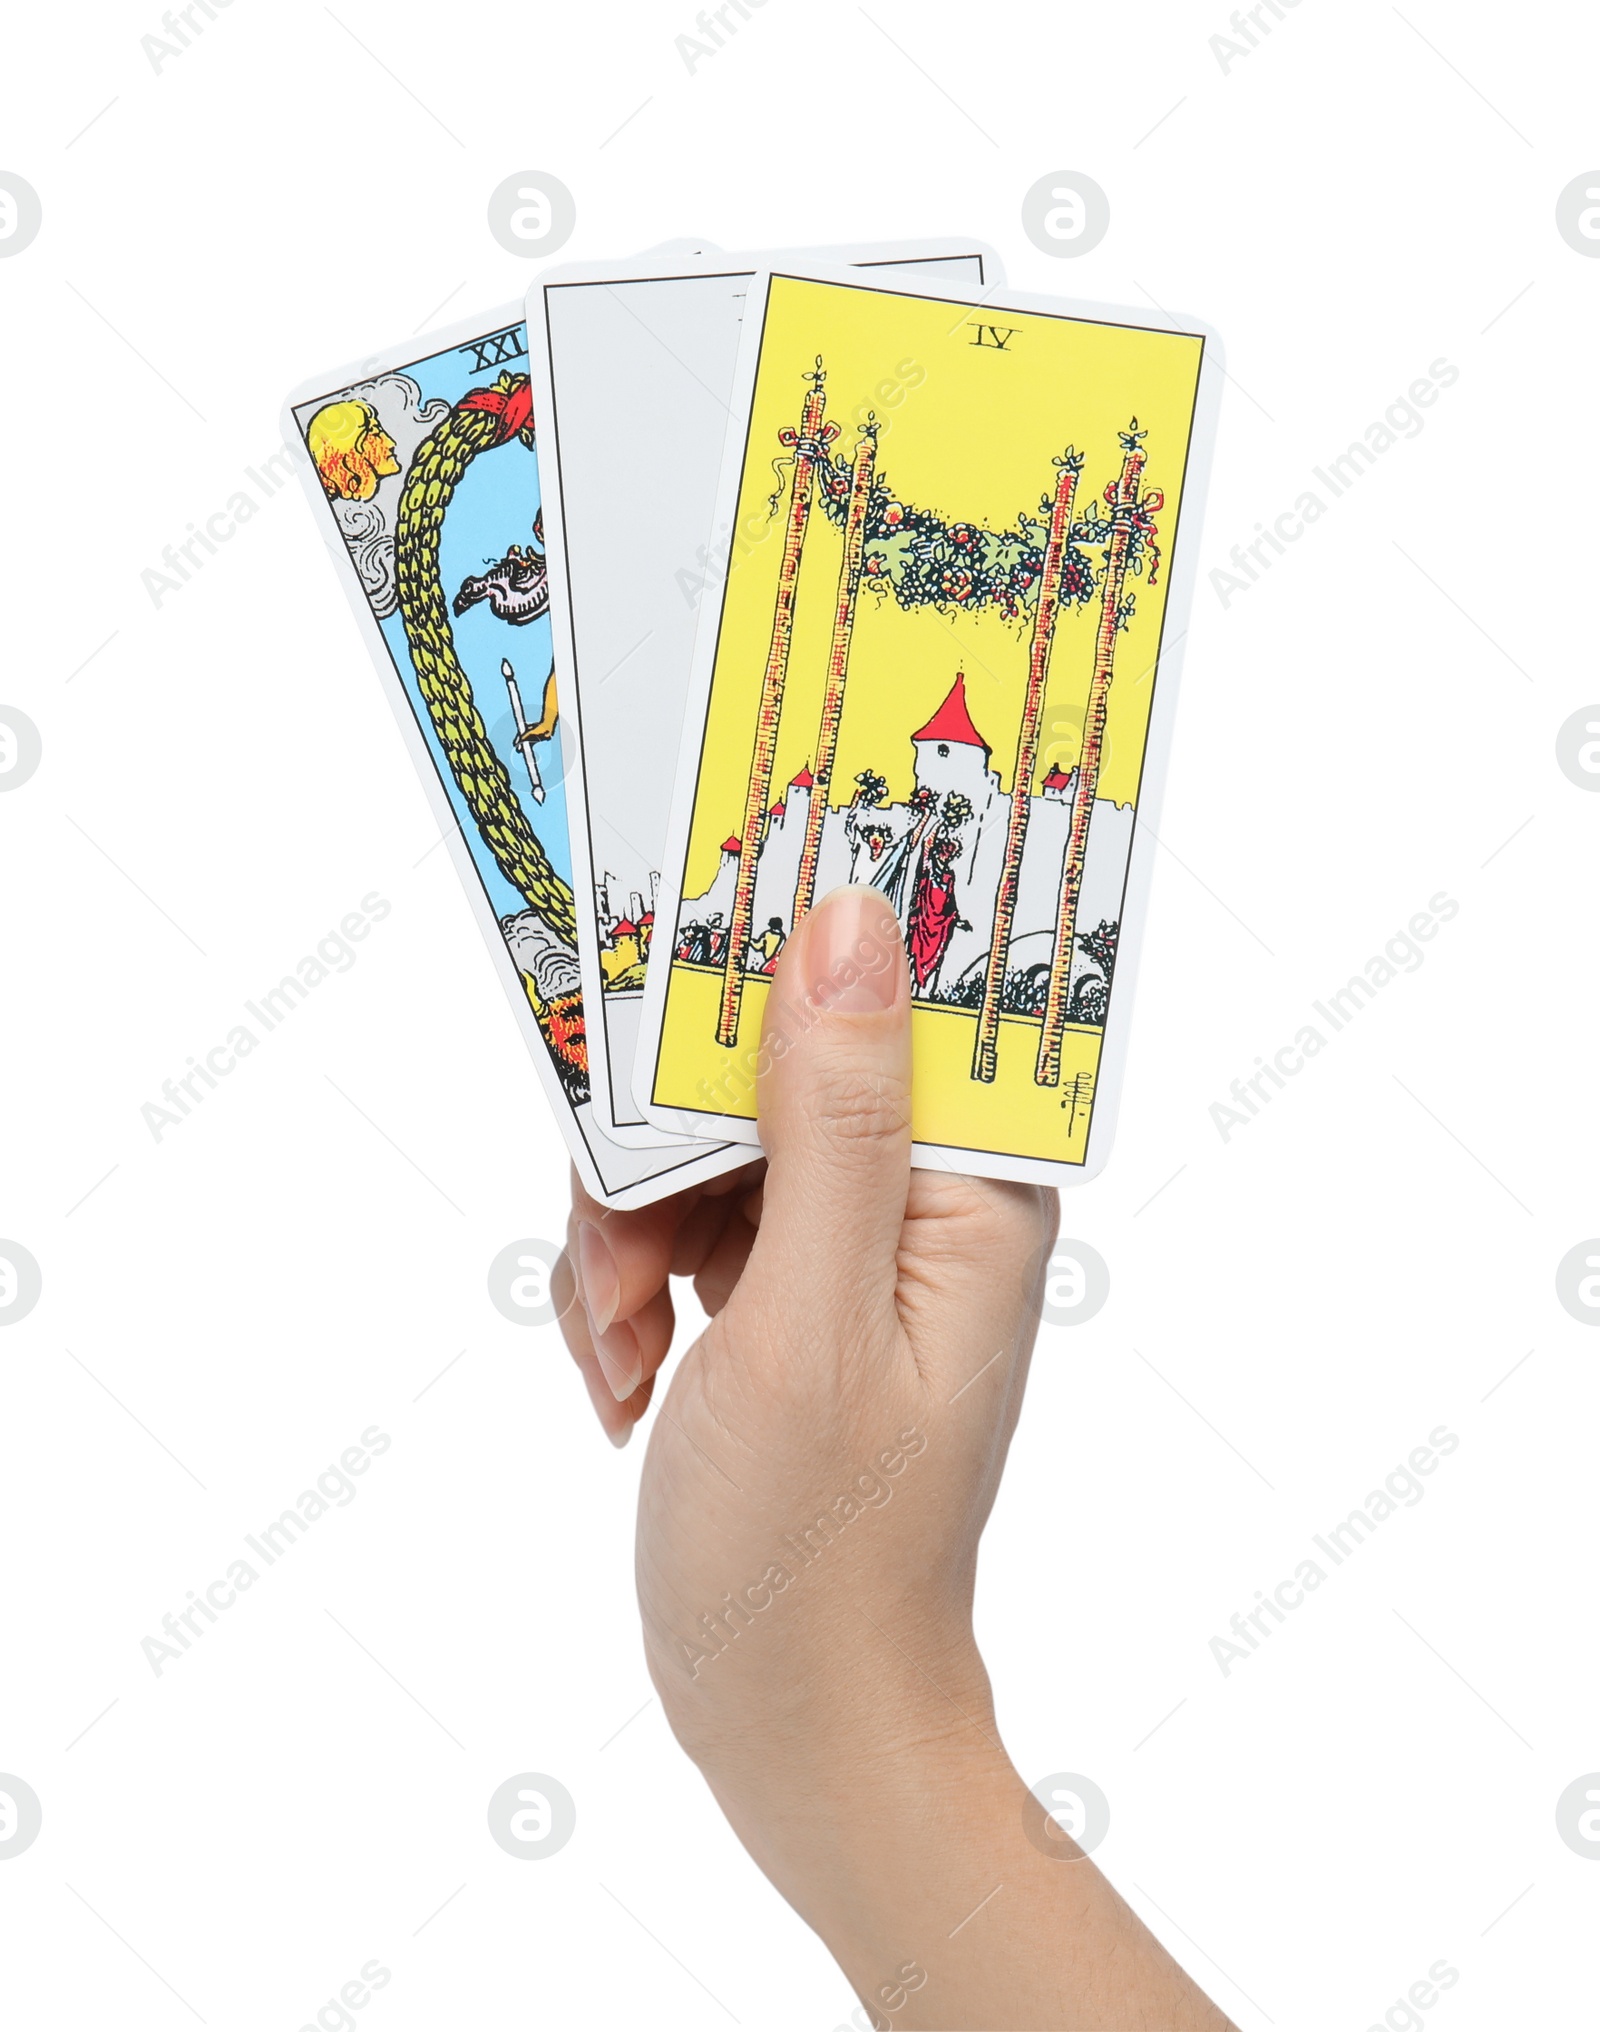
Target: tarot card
(633, 367)
(935, 662)
(420, 464)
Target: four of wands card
(933, 661)
(421, 465)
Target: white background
(1292, 1310)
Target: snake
(482, 420)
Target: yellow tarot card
(946, 565)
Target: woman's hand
(819, 1474)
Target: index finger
(624, 1259)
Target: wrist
(904, 1874)
(909, 1843)
(869, 1801)
(784, 1723)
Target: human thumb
(834, 1105)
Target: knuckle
(850, 1107)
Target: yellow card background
(968, 431)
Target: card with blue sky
(420, 462)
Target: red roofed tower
(952, 723)
(950, 753)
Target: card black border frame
(1205, 343)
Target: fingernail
(620, 1439)
(857, 957)
(620, 1364)
(602, 1287)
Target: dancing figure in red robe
(934, 915)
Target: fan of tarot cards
(703, 584)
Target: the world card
(420, 462)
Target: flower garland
(926, 561)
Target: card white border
(648, 268)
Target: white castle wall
(778, 869)
(1105, 868)
(718, 899)
(843, 857)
